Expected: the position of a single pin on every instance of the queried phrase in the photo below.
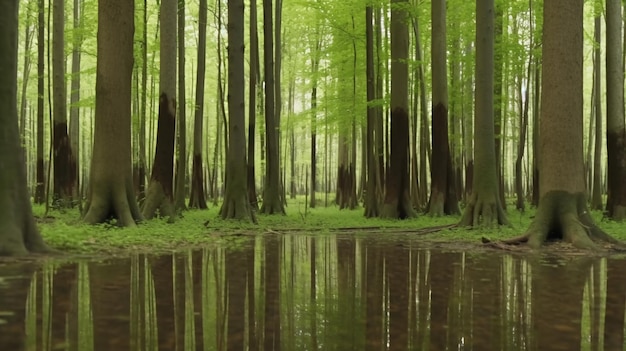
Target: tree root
(563, 216)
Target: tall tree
(75, 91)
(196, 199)
(315, 63)
(272, 194)
(160, 193)
(236, 204)
(111, 192)
(372, 208)
(253, 89)
(615, 124)
(40, 189)
(18, 233)
(64, 159)
(596, 189)
(484, 206)
(181, 145)
(442, 191)
(562, 211)
(397, 201)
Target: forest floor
(64, 231)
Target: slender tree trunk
(144, 94)
(64, 159)
(615, 124)
(181, 145)
(40, 190)
(160, 190)
(236, 204)
(197, 199)
(596, 197)
(314, 72)
(272, 199)
(497, 98)
(442, 193)
(397, 200)
(28, 39)
(468, 126)
(372, 200)
(252, 94)
(18, 233)
(75, 97)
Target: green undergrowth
(64, 231)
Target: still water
(334, 292)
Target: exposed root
(483, 212)
(563, 216)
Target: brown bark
(111, 192)
(181, 129)
(252, 108)
(18, 233)
(159, 194)
(40, 192)
(373, 180)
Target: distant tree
(64, 159)
(236, 204)
(596, 180)
(372, 207)
(397, 201)
(18, 233)
(181, 128)
(111, 191)
(197, 199)
(160, 189)
(253, 89)
(40, 189)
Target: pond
(324, 292)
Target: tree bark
(272, 194)
(64, 159)
(40, 189)
(160, 193)
(596, 189)
(18, 233)
(615, 124)
(75, 97)
(111, 192)
(181, 145)
(236, 204)
(252, 108)
(484, 207)
(397, 201)
(197, 199)
(442, 193)
(371, 205)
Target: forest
(442, 113)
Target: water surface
(333, 292)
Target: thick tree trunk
(562, 212)
(196, 199)
(397, 201)
(236, 204)
(111, 192)
(18, 233)
(484, 207)
(615, 124)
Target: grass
(64, 231)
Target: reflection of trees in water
(327, 292)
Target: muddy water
(307, 293)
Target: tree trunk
(596, 189)
(144, 94)
(562, 211)
(40, 189)
(314, 72)
(196, 199)
(272, 194)
(484, 208)
(111, 184)
(160, 193)
(615, 124)
(252, 94)
(397, 201)
(442, 193)
(18, 233)
(64, 159)
(75, 97)
(373, 180)
(497, 99)
(236, 204)
(181, 145)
